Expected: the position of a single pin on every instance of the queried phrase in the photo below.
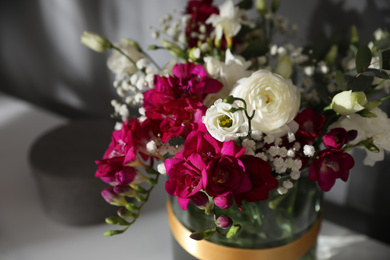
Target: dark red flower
(200, 11)
(226, 174)
(310, 126)
(259, 173)
(329, 165)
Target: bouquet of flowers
(233, 115)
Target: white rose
(348, 102)
(224, 125)
(275, 100)
(120, 65)
(377, 128)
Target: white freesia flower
(224, 125)
(234, 68)
(275, 100)
(120, 65)
(377, 128)
(228, 21)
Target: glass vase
(282, 227)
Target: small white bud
(161, 168)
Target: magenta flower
(336, 138)
(260, 175)
(329, 165)
(185, 178)
(181, 117)
(203, 144)
(191, 80)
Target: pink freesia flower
(191, 80)
(259, 173)
(329, 165)
(185, 178)
(201, 143)
(336, 138)
(181, 117)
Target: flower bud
(96, 42)
(262, 7)
(113, 198)
(125, 191)
(224, 222)
(131, 43)
(173, 48)
(124, 213)
(200, 200)
(224, 202)
(348, 102)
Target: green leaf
(340, 80)
(376, 73)
(245, 4)
(255, 49)
(363, 59)
(384, 59)
(382, 44)
(233, 231)
(361, 83)
(366, 113)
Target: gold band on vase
(206, 250)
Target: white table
(27, 233)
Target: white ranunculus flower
(120, 65)
(228, 21)
(377, 128)
(276, 101)
(224, 125)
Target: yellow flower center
(225, 121)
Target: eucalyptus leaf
(384, 59)
(363, 59)
(382, 44)
(361, 83)
(246, 4)
(340, 80)
(376, 73)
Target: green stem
(124, 54)
(150, 58)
